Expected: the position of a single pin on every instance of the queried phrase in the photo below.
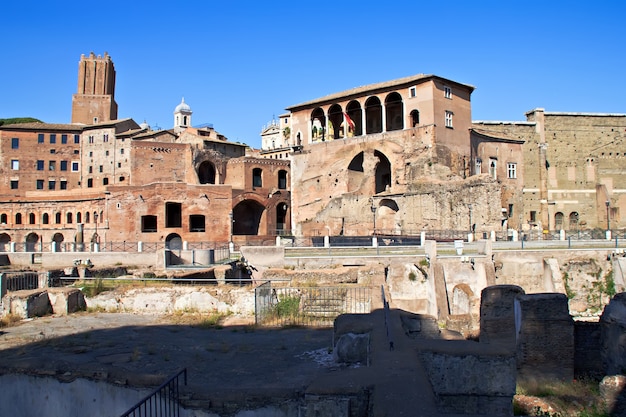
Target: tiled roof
(43, 126)
(359, 91)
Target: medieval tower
(94, 101)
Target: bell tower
(94, 101)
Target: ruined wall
(337, 184)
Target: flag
(349, 120)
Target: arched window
(354, 118)
(373, 115)
(3, 218)
(79, 217)
(31, 218)
(558, 221)
(394, 114)
(415, 118)
(318, 125)
(206, 173)
(57, 218)
(45, 219)
(336, 129)
(69, 218)
(86, 217)
(18, 218)
(573, 220)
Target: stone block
(613, 335)
(66, 300)
(471, 383)
(27, 303)
(353, 348)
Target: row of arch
(46, 218)
(208, 174)
(559, 220)
(374, 117)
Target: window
(510, 213)
(173, 214)
(447, 92)
(63, 185)
(106, 137)
(31, 218)
(53, 151)
(90, 139)
(68, 218)
(478, 166)
(57, 218)
(533, 216)
(14, 184)
(52, 184)
(257, 180)
(101, 168)
(282, 179)
(45, 218)
(53, 138)
(40, 184)
(149, 224)
(119, 164)
(63, 166)
(449, 119)
(74, 166)
(511, 170)
(40, 138)
(122, 151)
(196, 223)
(52, 165)
(412, 92)
(77, 139)
(90, 183)
(106, 153)
(105, 181)
(15, 143)
(18, 218)
(90, 169)
(63, 139)
(558, 221)
(90, 154)
(15, 164)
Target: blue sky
(239, 63)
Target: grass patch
(578, 398)
(199, 319)
(10, 320)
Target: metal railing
(308, 306)
(163, 402)
(16, 281)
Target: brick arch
(461, 300)
(247, 217)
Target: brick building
(105, 180)
(393, 158)
(574, 171)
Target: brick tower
(94, 101)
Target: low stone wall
(468, 379)
(42, 302)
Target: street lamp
(373, 208)
(608, 215)
(469, 206)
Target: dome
(182, 107)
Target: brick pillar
(545, 344)
(497, 315)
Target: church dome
(182, 107)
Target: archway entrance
(247, 218)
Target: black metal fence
(163, 402)
(308, 306)
(16, 281)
